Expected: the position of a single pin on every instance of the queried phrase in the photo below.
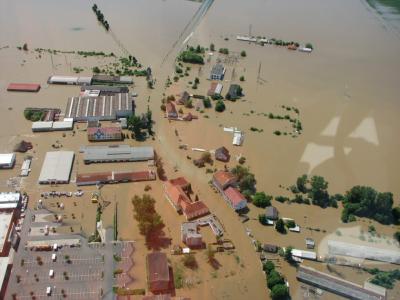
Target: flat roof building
(190, 235)
(56, 167)
(100, 108)
(9, 200)
(70, 80)
(23, 87)
(6, 224)
(304, 254)
(337, 285)
(116, 153)
(105, 90)
(7, 160)
(104, 79)
(114, 177)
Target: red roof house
(170, 111)
(158, 276)
(235, 198)
(223, 179)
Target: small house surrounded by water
(222, 154)
(101, 134)
(217, 72)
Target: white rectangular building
(7, 160)
(9, 200)
(56, 167)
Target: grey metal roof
(117, 153)
(218, 70)
(56, 166)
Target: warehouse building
(6, 226)
(9, 201)
(116, 153)
(23, 87)
(338, 285)
(56, 167)
(70, 80)
(43, 126)
(7, 160)
(103, 90)
(114, 177)
(100, 108)
(108, 79)
(102, 134)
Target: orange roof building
(223, 179)
(174, 191)
(170, 111)
(235, 198)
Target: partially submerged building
(177, 195)
(56, 167)
(183, 99)
(234, 92)
(271, 213)
(70, 80)
(170, 111)
(304, 254)
(116, 153)
(7, 160)
(102, 90)
(114, 177)
(215, 89)
(217, 72)
(158, 274)
(225, 182)
(190, 235)
(6, 227)
(108, 79)
(102, 108)
(45, 126)
(222, 154)
(9, 200)
(102, 134)
(23, 87)
(338, 285)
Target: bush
(290, 224)
(309, 45)
(241, 78)
(191, 57)
(212, 47)
(242, 160)
(243, 54)
(220, 106)
(207, 102)
(189, 261)
(281, 199)
(274, 278)
(280, 226)
(96, 70)
(262, 219)
(277, 132)
(268, 266)
(224, 51)
(260, 199)
(397, 236)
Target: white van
(48, 291)
(54, 257)
(55, 247)
(51, 273)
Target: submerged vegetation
(385, 279)
(193, 55)
(275, 282)
(100, 17)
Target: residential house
(184, 98)
(217, 72)
(271, 213)
(222, 179)
(190, 235)
(199, 105)
(170, 111)
(158, 275)
(222, 154)
(177, 195)
(270, 248)
(181, 182)
(215, 89)
(235, 92)
(235, 198)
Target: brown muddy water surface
(347, 92)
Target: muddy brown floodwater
(347, 91)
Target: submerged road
(188, 30)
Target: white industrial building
(7, 160)
(70, 80)
(9, 200)
(56, 167)
(304, 254)
(42, 126)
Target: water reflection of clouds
(315, 154)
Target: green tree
(268, 266)
(260, 199)
(207, 102)
(212, 47)
(396, 215)
(274, 278)
(241, 78)
(279, 292)
(318, 192)
(397, 236)
(220, 106)
(301, 184)
(135, 125)
(288, 254)
(189, 261)
(149, 121)
(243, 54)
(96, 70)
(280, 226)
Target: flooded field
(346, 90)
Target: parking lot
(73, 269)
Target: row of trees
(246, 179)
(275, 282)
(100, 17)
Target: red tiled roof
(105, 177)
(194, 209)
(176, 194)
(234, 196)
(23, 87)
(223, 177)
(180, 181)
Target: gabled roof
(218, 69)
(179, 181)
(170, 108)
(176, 194)
(194, 209)
(234, 196)
(223, 177)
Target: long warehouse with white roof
(56, 167)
